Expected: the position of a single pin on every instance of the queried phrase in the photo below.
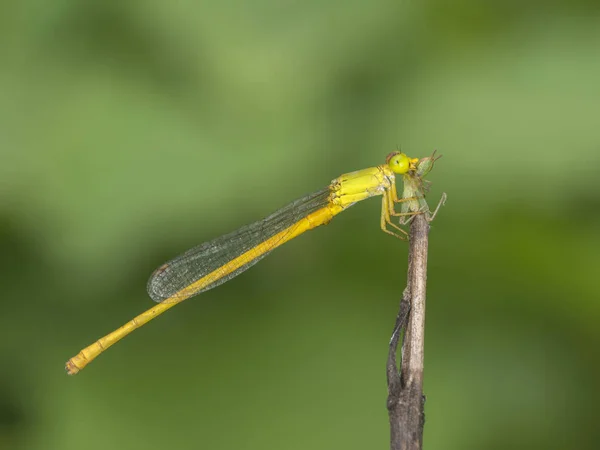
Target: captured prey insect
(415, 189)
(215, 262)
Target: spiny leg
(385, 220)
(384, 229)
(403, 215)
(406, 220)
(442, 202)
(406, 217)
(394, 196)
(390, 210)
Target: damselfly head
(400, 163)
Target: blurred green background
(131, 131)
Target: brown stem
(405, 388)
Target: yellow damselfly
(215, 262)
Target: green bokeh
(131, 131)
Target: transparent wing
(170, 278)
(414, 187)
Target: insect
(215, 262)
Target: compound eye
(399, 163)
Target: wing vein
(182, 271)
